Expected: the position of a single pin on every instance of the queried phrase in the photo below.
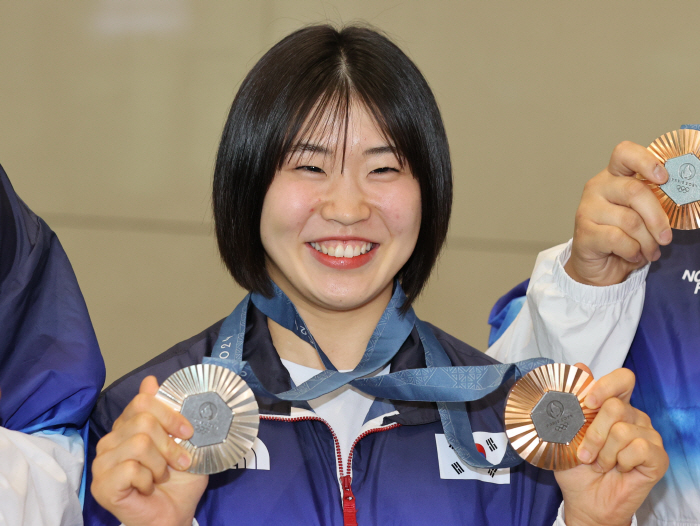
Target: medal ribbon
(449, 386)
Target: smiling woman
(332, 196)
(348, 155)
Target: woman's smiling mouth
(343, 249)
(343, 254)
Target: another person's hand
(138, 473)
(619, 222)
(623, 458)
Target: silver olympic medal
(222, 410)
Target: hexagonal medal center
(558, 417)
(210, 417)
(683, 185)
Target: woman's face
(335, 240)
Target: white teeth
(343, 251)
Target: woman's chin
(334, 290)
(349, 297)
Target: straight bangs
(328, 118)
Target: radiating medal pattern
(679, 197)
(545, 417)
(221, 408)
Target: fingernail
(660, 173)
(657, 255)
(596, 467)
(184, 461)
(666, 236)
(591, 402)
(185, 431)
(584, 455)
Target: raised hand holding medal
(620, 224)
(140, 470)
(557, 417)
(627, 210)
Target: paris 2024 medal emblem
(222, 410)
(545, 417)
(679, 151)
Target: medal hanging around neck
(679, 151)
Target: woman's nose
(345, 202)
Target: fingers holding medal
(621, 436)
(619, 223)
(628, 210)
(138, 473)
(221, 408)
(203, 419)
(621, 457)
(557, 417)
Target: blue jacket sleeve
(505, 310)
(51, 369)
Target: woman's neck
(342, 335)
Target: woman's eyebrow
(309, 147)
(379, 150)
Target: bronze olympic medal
(222, 410)
(680, 196)
(545, 417)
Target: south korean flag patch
(491, 445)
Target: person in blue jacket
(660, 324)
(332, 195)
(51, 371)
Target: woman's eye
(385, 169)
(314, 169)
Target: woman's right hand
(619, 222)
(138, 473)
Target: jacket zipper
(349, 504)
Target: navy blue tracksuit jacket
(395, 475)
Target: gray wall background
(111, 110)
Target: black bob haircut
(311, 77)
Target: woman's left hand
(623, 458)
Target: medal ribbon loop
(449, 386)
